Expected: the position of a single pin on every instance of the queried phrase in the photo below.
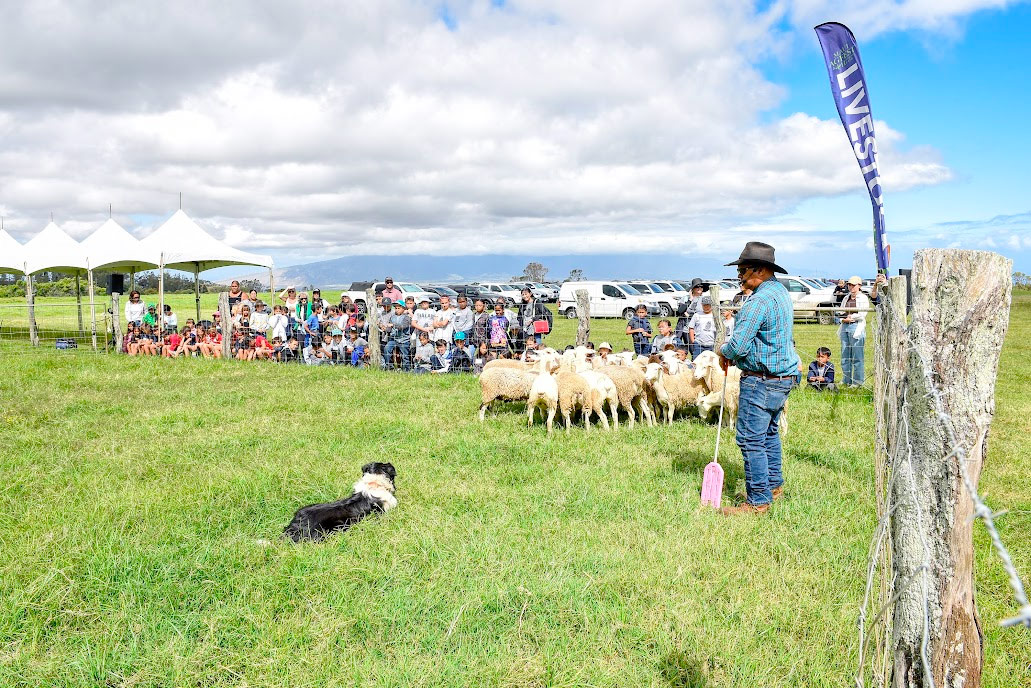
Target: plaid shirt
(763, 341)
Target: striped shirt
(763, 339)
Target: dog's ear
(368, 468)
(389, 470)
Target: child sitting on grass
(821, 371)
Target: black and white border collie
(373, 493)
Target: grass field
(142, 502)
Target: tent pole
(196, 290)
(30, 298)
(132, 280)
(271, 289)
(161, 297)
(92, 311)
(78, 301)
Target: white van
(499, 289)
(608, 299)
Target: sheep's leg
(614, 410)
(551, 417)
(565, 415)
(630, 414)
(530, 413)
(483, 410)
(600, 412)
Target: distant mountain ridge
(341, 272)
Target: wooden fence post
(227, 324)
(78, 302)
(717, 318)
(960, 314)
(115, 325)
(372, 317)
(30, 297)
(583, 312)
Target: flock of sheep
(577, 380)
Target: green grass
(142, 500)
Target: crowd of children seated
(413, 337)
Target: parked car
(607, 299)
(509, 291)
(542, 291)
(667, 302)
(809, 293)
(443, 290)
(473, 292)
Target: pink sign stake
(712, 484)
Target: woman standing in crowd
(852, 332)
(134, 308)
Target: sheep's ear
(665, 367)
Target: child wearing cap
(701, 330)
(337, 352)
(440, 362)
(151, 317)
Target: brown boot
(778, 492)
(744, 509)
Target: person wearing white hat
(604, 349)
(852, 333)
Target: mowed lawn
(142, 501)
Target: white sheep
(507, 384)
(707, 368)
(630, 391)
(603, 390)
(543, 395)
(573, 393)
(512, 363)
(674, 392)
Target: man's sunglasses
(742, 270)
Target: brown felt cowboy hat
(758, 252)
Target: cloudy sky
(312, 130)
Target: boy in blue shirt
(640, 330)
(821, 371)
(311, 326)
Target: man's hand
(724, 363)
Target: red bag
(541, 327)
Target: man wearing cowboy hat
(762, 348)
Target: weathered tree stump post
(372, 316)
(116, 329)
(225, 315)
(717, 317)
(583, 312)
(30, 298)
(949, 361)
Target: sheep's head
(653, 372)
(704, 364)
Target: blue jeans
(759, 409)
(852, 356)
(400, 344)
(697, 348)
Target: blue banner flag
(848, 86)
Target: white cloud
(332, 128)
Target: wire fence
(900, 514)
(65, 327)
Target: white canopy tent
(12, 255)
(54, 250)
(110, 247)
(180, 244)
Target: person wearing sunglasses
(390, 291)
(762, 347)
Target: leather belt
(764, 376)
